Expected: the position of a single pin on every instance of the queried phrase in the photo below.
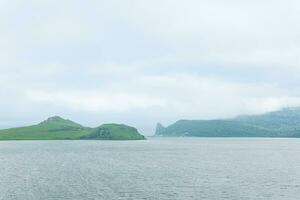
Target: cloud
(95, 102)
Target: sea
(154, 169)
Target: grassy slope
(60, 129)
(37, 132)
(122, 132)
(213, 128)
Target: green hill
(282, 123)
(57, 128)
(114, 132)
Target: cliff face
(159, 129)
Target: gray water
(163, 168)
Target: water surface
(162, 168)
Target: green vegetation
(57, 128)
(283, 123)
(114, 132)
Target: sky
(141, 62)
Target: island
(281, 123)
(57, 128)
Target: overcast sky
(140, 62)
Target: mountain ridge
(281, 123)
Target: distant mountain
(282, 123)
(57, 128)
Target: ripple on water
(164, 169)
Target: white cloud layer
(139, 62)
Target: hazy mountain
(57, 128)
(282, 123)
